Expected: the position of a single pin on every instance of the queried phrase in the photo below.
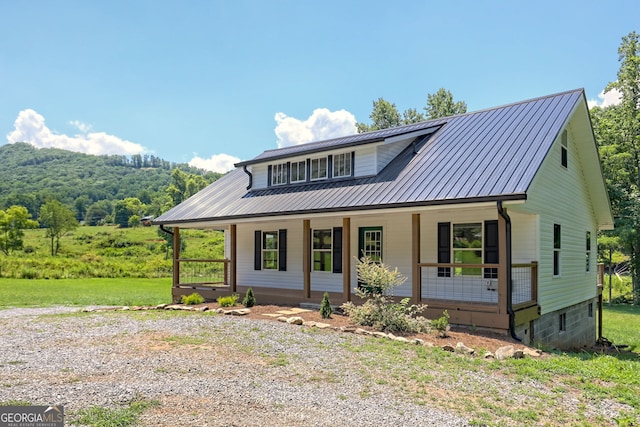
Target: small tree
(59, 220)
(249, 300)
(12, 223)
(325, 307)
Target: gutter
(244, 168)
(510, 311)
(165, 230)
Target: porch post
(416, 279)
(233, 249)
(503, 271)
(346, 259)
(176, 256)
(306, 257)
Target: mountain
(29, 176)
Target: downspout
(510, 311)
(250, 177)
(165, 230)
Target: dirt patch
(478, 340)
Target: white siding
(365, 161)
(323, 280)
(561, 196)
(290, 279)
(259, 173)
(388, 152)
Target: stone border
(506, 352)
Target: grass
(621, 325)
(98, 416)
(82, 292)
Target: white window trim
(279, 170)
(454, 249)
(342, 159)
(265, 250)
(326, 168)
(304, 178)
(557, 250)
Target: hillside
(30, 175)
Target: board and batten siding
(560, 196)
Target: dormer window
(279, 174)
(318, 168)
(298, 171)
(342, 165)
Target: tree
(184, 185)
(98, 212)
(125, 209)
(386, 115)
(12, 223)
(617, 130)
(441, 104)
(59, 220)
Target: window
(562, 322)
(588, 252)
(270, 250)
(556, 249)
(467, 248)
(590, 309)
(342, 165)
(322, 250)
(370, 243)
(319, 168)
(279, 174)
(299, 171)
(563, 149)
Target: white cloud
(613, 97)
(322, 124)
(30, 127)
(217, 163)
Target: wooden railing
(203, 272)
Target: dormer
(336, 160)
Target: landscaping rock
(295, 320)
(282, 319)
(449, 348)
(348, 329)
(505, 352)
(239, 312)
(461, 348)
(361, 331)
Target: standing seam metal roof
(491, 154)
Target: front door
(370, 243)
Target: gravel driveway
(204, 370)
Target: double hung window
(342, 165)
(298, 171)
(279, 174)
(322, 250)
(319, 168)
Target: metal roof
(486, 155)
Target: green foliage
(325, 307)
(376, 278)
(228, 301)
(13, 222)
(385, 114)
(617, 131)
(249, 299)
(98, 416)
(193, 299)
(59, 220)
(376, 282)
(441, 324)
(30, 176)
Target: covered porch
(468, 293)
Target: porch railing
(203, 272)
(478, 283)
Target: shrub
(249, 300)
(228, 301)
(193, 299)
(376, 283)
(441, 324)
(325, 307)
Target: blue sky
(222, 81)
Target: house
(491, 215)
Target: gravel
(204, 370)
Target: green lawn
(621, 325)
(82, 292)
